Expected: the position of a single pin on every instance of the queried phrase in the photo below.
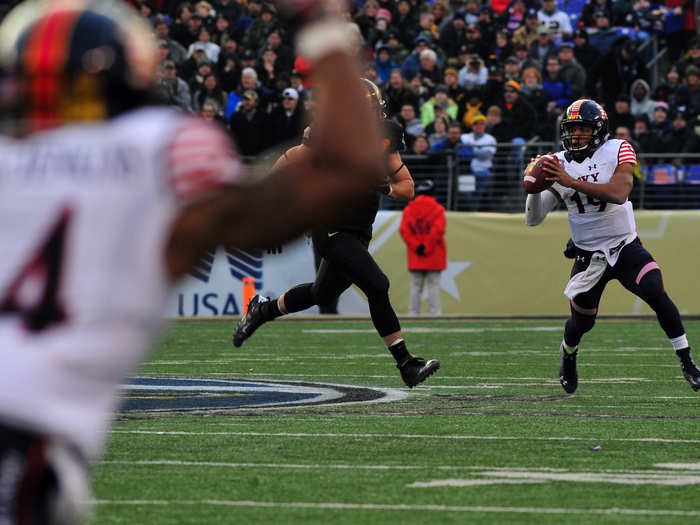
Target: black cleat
(568, 377)
(250, 321)
(415, 370)
(692, 375)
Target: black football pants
(346, 261)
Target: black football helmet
(77, 60)
(374, 95)
(587, 112)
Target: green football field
(491, 438)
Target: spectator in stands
(405, 23)
(384, 64)
(421, 92)
(427, 26)
(532, 90)
(690, 58)
(511, 69)
(176, 52)
(266, 21)
(473, 108)
(455, 91)
(555, 84)
(437, 129)
(436, 104)
(572, 71)
(493, 90)
(230, 9)
(592, 7)
(641, 104)
(527, 33)
(484, 149)
(397, 94)
(474, 73)
(221, 31)
(475, 42)
(412, 125)
(423, 230)
(453, 143)
(206, 11)
(680, 134)
(668, 90)
(503, 48)
(180, 27)
(429, 70)
(617, 70)
(440, 11)
(267, 68)
(661, 129)
(286, 122)
(175, 90)
(514, 16)
(366, 17)
(603, 35)
(204, 68)
(453, 35)
(249, 82)
(641, 134)
(189, 34)
(377, 34)
(523, 58)
(398, 51)
(411, 64)
(471, 11)
(210, 112)
(285, 55)
(556, 19)
(229, 71)
(210, 91)
(543, 46)
(249, 15)
(586, 54)
(487, 25)
(692, 144)
(620, 114)
(421, 145)
(247, 125)
(689, 91)
(495, 125)
(520, 117)
(624, 133)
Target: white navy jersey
(596, 225)
(85, 214)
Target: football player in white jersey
(105, 200)
(593, 177)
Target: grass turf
(494, 419)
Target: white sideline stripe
(401, 436)
(425, 330)
(378, 506)
(672, 469)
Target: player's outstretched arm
(309, 190)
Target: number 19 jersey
(597, 225)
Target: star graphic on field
(448, 276)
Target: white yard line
(376, 506)
(455, 437)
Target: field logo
(155, 394)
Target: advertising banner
(496, 266)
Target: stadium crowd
(442, 66)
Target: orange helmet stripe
(46, 52)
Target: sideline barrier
(496, 266)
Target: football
(534, 178)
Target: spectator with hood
(641, 103)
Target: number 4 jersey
(597, 225)
(85, 215)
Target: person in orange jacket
(423, 231)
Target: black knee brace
(651, 290)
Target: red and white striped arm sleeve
(626, 154)
(201, 158)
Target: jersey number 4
(33, 294)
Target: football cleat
(416, 370)
(692, 375)
(250, 321)
(568, 377)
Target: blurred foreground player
(593, 176)
(346, 258)
(104, 202)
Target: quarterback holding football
(593, 177)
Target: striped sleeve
(626, 154)
(201, 158)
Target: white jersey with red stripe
(596, 225)
(85, 215)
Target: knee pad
(378, 287)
